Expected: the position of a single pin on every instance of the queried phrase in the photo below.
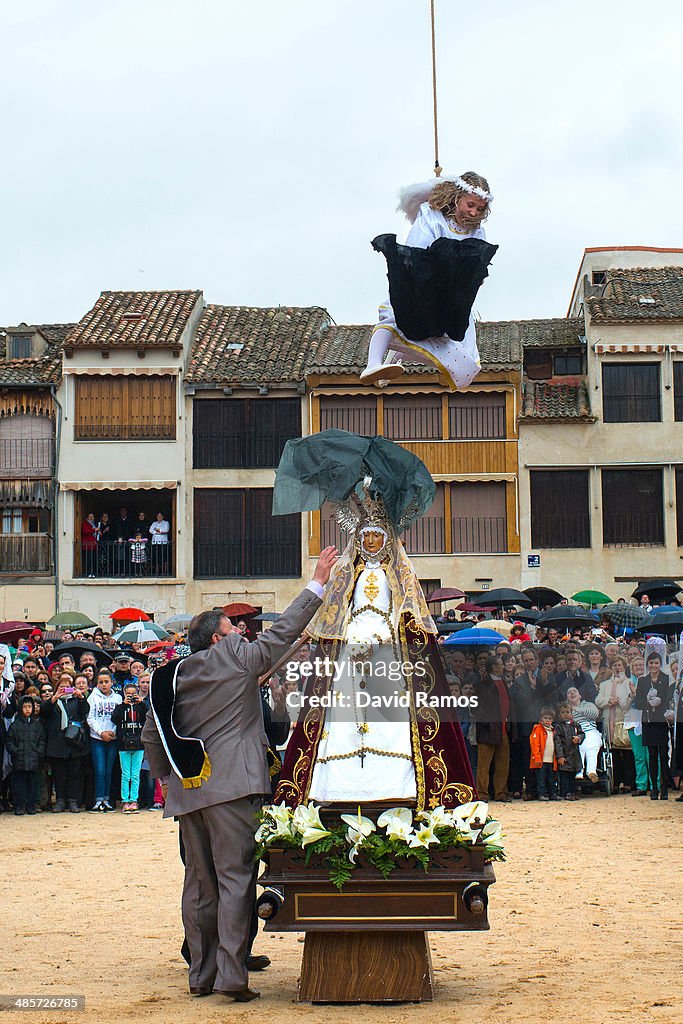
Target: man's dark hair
(491, 663)
(202, 628)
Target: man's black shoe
(257, 963)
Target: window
(235, 534)
(632, 506)
(479, 516)
(120, 515)
(349, 412)
(599, 277)
(246, 433)
(19, 346)
(678, 391)
(560, 510)
(427, 536)
(679, 506)
(413, 417)
(125, 408)
(331, 532)
(25, 541)
(26, 445)
(479, 415)
(538, 364)
(630, 393)
(570, 364)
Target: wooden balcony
(26, 458)
(25, 553)
(445, 458)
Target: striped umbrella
(140, 633)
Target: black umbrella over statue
(328, 466)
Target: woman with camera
(65, 715)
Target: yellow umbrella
(500, 626)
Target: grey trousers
(219, 891)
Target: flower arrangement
(399, 834)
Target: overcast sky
(252, 149)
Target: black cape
(432, 290)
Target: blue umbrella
(474, 638)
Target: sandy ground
(586, 924)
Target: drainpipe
(55, 484)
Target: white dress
(340, 772)
(459, 360)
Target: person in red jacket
(90, 533)
(543, 761)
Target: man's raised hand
(326, 560)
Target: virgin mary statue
(377, 722)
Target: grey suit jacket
(218, 700)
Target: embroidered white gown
(375, 776)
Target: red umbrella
(14, 629)
(238, 608)
(444, 594)
(467, 606)
(126, 615)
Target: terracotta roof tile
(544, 401)
(132, 319)
(637, 294)
(45, 369)
(343, 349)
(255, 345)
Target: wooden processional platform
(368, 942)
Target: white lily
(424, 837)
(359, 827)
(307, 824)
(306, 816)
(398, 822)
(490, 828)
(353, 852)
(472, 811)
(439, 817)
(280, 816)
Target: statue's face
(373, 542)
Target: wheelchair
(604, 770)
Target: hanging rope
(437, 166)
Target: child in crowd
(103, 702)
(129, 718)
(138, 554)
(26, 745)
(568, 736)
(543, 761)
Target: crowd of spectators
(548, 710)
(70, 726)
(125, 544)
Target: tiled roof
(246, 344)
(45, 369)
(628, 295)
(547, 400)
(133, 319)
(343, 349)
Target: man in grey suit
(217, 700)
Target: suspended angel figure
(433, 281)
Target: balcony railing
(554, 531)
(426, 536)
(25, 553)
(125, 431)
(627, 529)
(223, 559)
(479, 534)
(26, 457)
(113, 561)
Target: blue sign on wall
(533, 561)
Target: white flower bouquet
(398, 835)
